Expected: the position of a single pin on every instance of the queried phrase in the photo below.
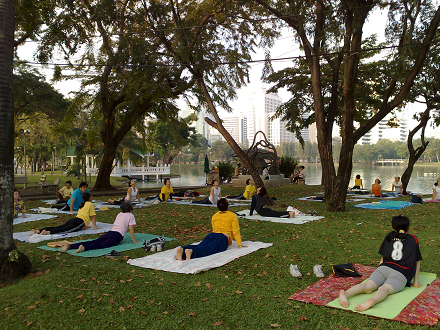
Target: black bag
(416, 199)
(345, 270)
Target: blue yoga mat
(382, 205)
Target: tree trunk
(105, 169)
(415, 154)
(13, 264)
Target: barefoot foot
(343, 299)
(45, 232)
(65, 247)
(292, 214)
(34, 231)
(188, 253)
(179, 253)
(365, 305)
(80, 249)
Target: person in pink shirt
(124, 222)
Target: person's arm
(61, 191)
(129, 194)
(212, 196)
(380, 191)
(371, 191)
(381, 261)
(72, 201)
(252, 206)
(433, 194)
(93, 220)
(246, 193)
(236, 231)
(401, 189)
(416, 276)
(362, 184)
(138, 197)
(392, 188)
(131, 229)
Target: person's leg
(384, 291)
(69, 226)
(267, 212)
(109, 239)
(211, 244)
(66, 207)
(236, 197)
(59, 196)
(151, 198)
(203, 201)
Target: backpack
(416, 199)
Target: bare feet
(45, 232)
(343, 299)
(65, 247)
(292, 214)
(80, 249)
(34, 231)
(363, 307)
(188, 253)
(179, 253)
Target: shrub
(74, 170)
(226, 171)
(287, 165)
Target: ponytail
(86, 198)
(400, 225)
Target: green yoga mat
(393, 304)
(125, 245)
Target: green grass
(248, 293)
(117, 182)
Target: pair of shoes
(317, 270)
(114, 254)
(154, 244)
(314, 213)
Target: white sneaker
(289, 209)
(159, 247)
(153, 248)
(317, 269)
(294, 271)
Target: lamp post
(24, 132)
(53, 159)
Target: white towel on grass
(32, 217)
(298, 220)
(196, 204)
(24, 236)
(58, 211)
(167, 261)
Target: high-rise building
(201, 126)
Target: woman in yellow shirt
(86, 213)
(249, 191)
(167, 191)
(224, 227)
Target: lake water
(422, 179)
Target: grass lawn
(68, 292)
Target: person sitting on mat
(376, 189)
(224, 226)
(132, 194)
(165, 193)
(436, 190)
(397, 185)
(214, 195)
(358, 184)
(124, 222)
(258, 203)
(64, 193)
(400, 264)
(77, 196)
(249, 191)
(86, 213)
(18, 205)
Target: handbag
(345, 270)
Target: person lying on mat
(214, 195)
(64, 194)
(86, 213)
(249, 191)
(400, 264)
(376, 189)
(224, 226)
(18, 205)
(258, 203)
(397, 186)
(124, 222)
(132, 194)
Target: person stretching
(86, 213)
(376, 189)
(214, 195)
(77, 196)
(224, 226)
(436, 190)
(400, 264)
(258, 203)
(397, 185)
(249, 191)
(132, 194)
(358, 184)
(124, 222)
(18, 205)
(167, 191)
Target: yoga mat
(309, 198)
(125, 245)
(195, 204)
(393, 304)
(167, 261)
(59, 212)
(431, 200)
(32, 217)
(390, 205)
(24, 236)
(298, 220)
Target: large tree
(331, 38)
(13, 264)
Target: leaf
(31, 307)
(152, 301)
(198, 284)
(216, 324)
(29, 323)
(80, 296)
(192, 314)
(111, 301)
(209, 286)
(275, 325)
(82, 310)
(238, 292)
(129, 306)
(303, 318)
(205, 299)
(132, 299)
(121, 309)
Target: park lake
(422, 179)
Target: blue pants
(211, 244)
(203, 201)
(109, 239)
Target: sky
(284, 47)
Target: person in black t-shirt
(400, 264)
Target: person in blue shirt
(74, 202)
